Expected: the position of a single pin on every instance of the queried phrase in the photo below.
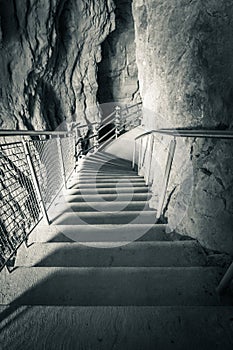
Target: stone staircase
(103, 275)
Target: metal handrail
(32, 133)
(54, 156)
(208, 133)
(190, 133)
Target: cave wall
(117, 72)
(184, 56)
(49, 55)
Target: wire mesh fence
(53, 162)
(19, 205)
(47, 164)
(68, 154)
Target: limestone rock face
(49, 55)
(118, 74)
(184, 56)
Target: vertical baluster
(134, 154)
(170, 157)
(150, 159)
(96, 138)
(61, 161)
(117, 121)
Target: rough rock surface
(49, 55)
(184, 57)
(118, 74)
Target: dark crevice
(167, 203)
(206, 171)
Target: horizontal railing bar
(31, 133)
(5, 145)
(109, 116)
(198, 133)
(107, 141)
(101, 138)
(131, 106)
(220, 134)
(86, 125)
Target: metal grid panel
(68, 152)
(19, 206)
(47, 165)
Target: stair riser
(105, 197)
(101, 207)
(120, 181)
(110, 176)
(112, 185)
(93, 218)
(108, 190)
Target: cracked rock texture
(184, 57)
(118, 74)
(49, 55)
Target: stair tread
(111, 286)
(180, 253)
(113, 206)
(104, 217)
(100, 232)
(128, 327)
(113, 185)
(103, 190)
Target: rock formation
(49, 55)
(184, 58)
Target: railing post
(170, 157)
(62, 161)
(226, 280)
(117, 121)
(134, 153)
(140, 156)
(150, 158)
(96, 137)
(35, 181)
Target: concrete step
(107, 173)
(105, 157)
(96, 163)
(115, 286)
(107, 162)
(143, 254)
(114, 327)
(118, 218)
(107, 190)
(104, 197)
(106, 176)
(112, 184)
(114, 206)
(98, 233)
(110, 180)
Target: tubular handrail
(35, 168)
(132, 106)
(210, 133)
(189, 133)
(32, 133)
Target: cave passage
(117, 72)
